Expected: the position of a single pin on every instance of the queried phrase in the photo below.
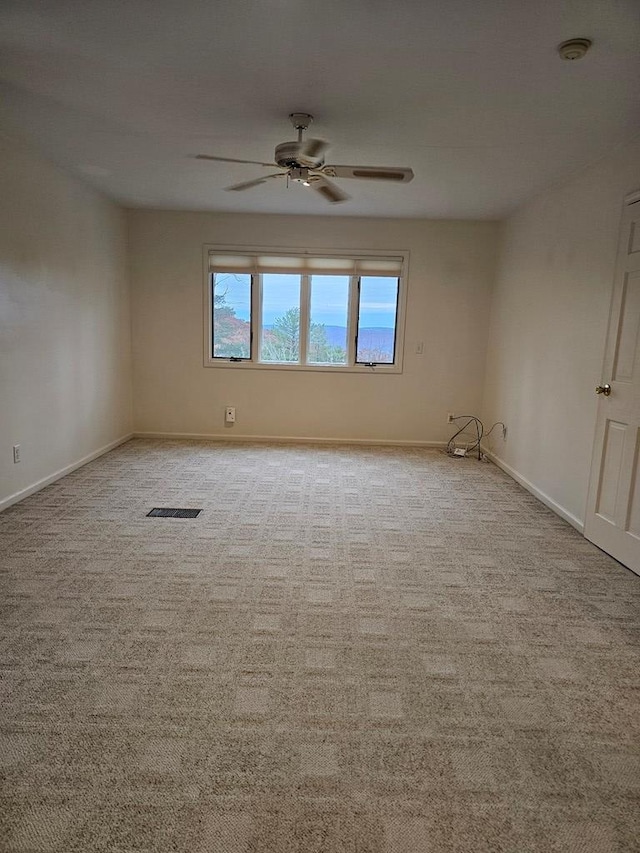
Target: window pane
(377, 316)
(231, 315)
(329, 319)
(280, 318)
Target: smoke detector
(574, 48)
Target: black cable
(479, 433)
(497, 423)
(462, 429)
(504, 433)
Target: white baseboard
(194, 436)
(573, 520)
(46, 481)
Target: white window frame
(256, 311)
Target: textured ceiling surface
(472, 95)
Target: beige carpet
(352, 650)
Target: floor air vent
(167, 512)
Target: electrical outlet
(420, 348)
(230, 415)
(16, 453)
(450, 417)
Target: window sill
(306, 368)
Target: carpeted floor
(351, 650)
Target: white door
(613, 507)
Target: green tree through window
(281, 343)
(320, 350)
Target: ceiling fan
(303, 162)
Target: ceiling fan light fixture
(300, 174)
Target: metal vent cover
(173, 512)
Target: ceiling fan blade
(232, 160)
(328, 189)
(311, 151)
(397, 174)
(248, 184)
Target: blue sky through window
(377, 305)
(330, 300)
(378, 301)
(280, 293)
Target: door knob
(603, 389)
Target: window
(333, 312)
(231, 315)
(378, 301)
(329, 319)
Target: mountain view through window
(324, 302)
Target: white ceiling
(470, 93)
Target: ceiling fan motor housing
(288, 155)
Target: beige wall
(451, 272)
(548, 327)
(65, 387)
